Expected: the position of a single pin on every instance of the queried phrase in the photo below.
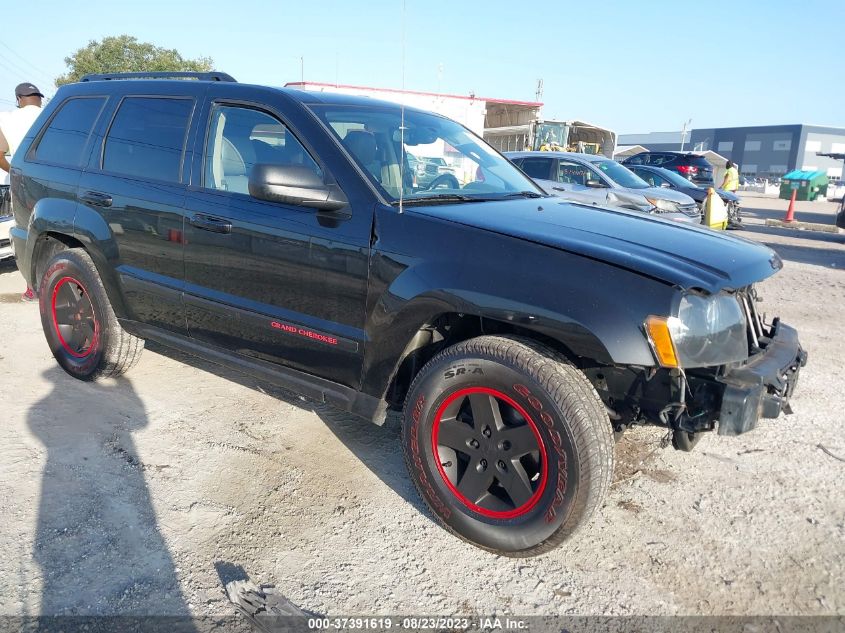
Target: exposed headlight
(708, 331)
(666, 206)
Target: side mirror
(296, 185)
(596, 184)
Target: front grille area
(689, 209)
(5, 243)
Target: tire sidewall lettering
(560, 484)
(422, 473)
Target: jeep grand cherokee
(279, 232)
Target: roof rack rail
(209, 76)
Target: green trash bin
(808, 184)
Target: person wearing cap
(15, 124)
(13, 128)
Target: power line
(17, 68)
(12, 68)
(43, 73)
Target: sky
(633, 66)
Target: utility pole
(684, 133)
(539, 93)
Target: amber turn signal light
(657, 329)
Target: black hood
(676, 253)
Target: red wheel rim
(74, 321)
(489, 453)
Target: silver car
(600, 181)
(7, 221)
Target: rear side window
(661, 159)
(537, 167)
(147, 138)
(67, 134)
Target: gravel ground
(135, 496)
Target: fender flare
(66, 218)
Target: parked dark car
(273, 231)
(693, 167)
(659, 177)
(431, 173)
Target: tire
(78, 320)
(537, 494)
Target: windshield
(620, 174)
(462, 166)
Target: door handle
(210, 223)
(96, 198)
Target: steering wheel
(444, 181)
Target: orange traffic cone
(790, 212)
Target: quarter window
(147, 138)
(240, 138)
(66, 136)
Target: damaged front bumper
(761, 388)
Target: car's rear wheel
(78, 321)
(508, 444)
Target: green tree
(126, 54)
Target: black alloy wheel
(74, 321)
(491, 455)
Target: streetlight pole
(684, 134)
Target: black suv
(278, 232)
(691, 166)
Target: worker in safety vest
(731, 180)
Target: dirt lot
(128, 496)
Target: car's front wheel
(78, 321)
(508, 444)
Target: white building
(468, 110)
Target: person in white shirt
(13, 128)
(15, 124)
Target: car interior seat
(362, 145)
(234, 169)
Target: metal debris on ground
(826, 450)
(265, 607)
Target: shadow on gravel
(378, 447)
(832, 256)
(98, 544)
